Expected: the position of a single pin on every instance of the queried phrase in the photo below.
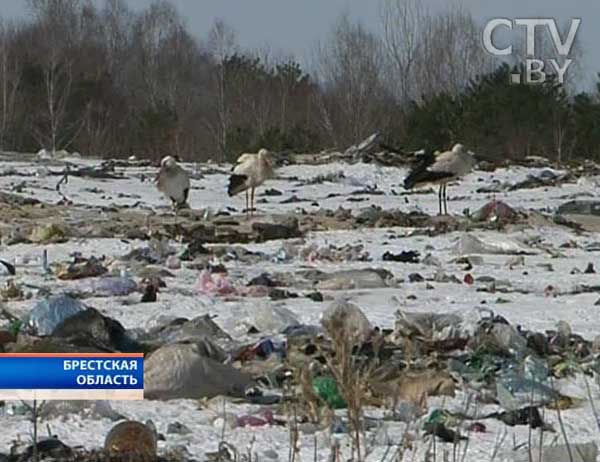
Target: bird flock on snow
(251, 170)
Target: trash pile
(332, 253)
(308, 323)
(523, 374)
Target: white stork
(249, 172)
(440, 168)
(174, 182)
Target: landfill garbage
(286, 253)
(496, 211)
(442, 432)
(469, 244)
(573, 452)
(47, 314)
(499, 336)
(264, 279)
(173, 263)
(579, 207)
(368, 278)
(346, 319)
(315, 296)
(415, 277)
(406, 256)
(441, 350)
(80, 268)
(326, 388)
(518, 260)
(9, 268)
(48, 234)
(331, 253)
(269, 318)
(546, 177)
(213, 283)
(11, 291)
(515, 391)
(181, 371)
(260, 420)
(131, 438)
(83, 408)
(112, 286)
(301, 330)
(90, 328)
(181, 329)
(433, 326)
(430, 260)
(477, 427)
(178, 428)
(194, 249)
(263, 349)
(441, 276)
(528, 415)
(49, 449)
(150, 292)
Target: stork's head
(265, 154)
(458, 148)
(168, 162)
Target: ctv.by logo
(533, 66)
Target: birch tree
(10, 77)
(222, 45)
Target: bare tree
(56, 21)
(10, 78)
(563, 140)
(222, 45)
(116, 22)
(402, 22)
(154, 28)
(350, 72)
(451, 53)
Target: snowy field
(525, 303)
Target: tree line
(105, 80)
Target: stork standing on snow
(174, 182)
(441, 168)
(249, 172)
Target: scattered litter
(326, 388)
(181, 371)
(469, 244)
(574, 452)
(112, 286)
(132, 439)
(347, 319)
(406, 256)
(259, 420)
(47, 314)
(496, 212)
(215, 283)
(10, 269)
(81, 268)
(48, 234)
(333, 253)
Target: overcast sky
(295, 25)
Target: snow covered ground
(526, 304)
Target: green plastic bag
(326, 388)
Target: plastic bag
(113, 286)
(47, 314)
(326, 388)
